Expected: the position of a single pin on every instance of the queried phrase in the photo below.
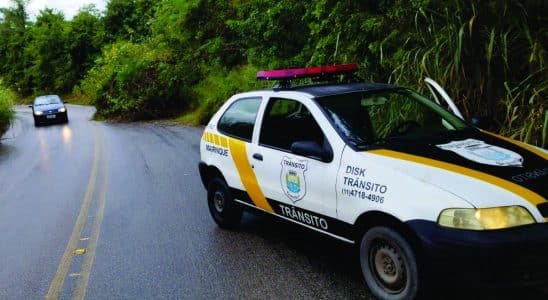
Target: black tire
(389, 264)
(36, 124)
(225, 212)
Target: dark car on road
(49, 109)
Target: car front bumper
(47, 118)
(510, 257)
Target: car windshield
(380, 116)
(45, 100)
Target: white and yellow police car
(425, 195)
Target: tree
(51, 62)
(84, 41)
(129, 19)
(272, 34)
(13, 28)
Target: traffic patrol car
(424, 194)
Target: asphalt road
(117, 211)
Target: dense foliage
(6, 113)
(148, 59)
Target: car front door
(300, 188)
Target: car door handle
(258, 156)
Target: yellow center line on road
(64, 265)
(82, 283)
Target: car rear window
(239, 119)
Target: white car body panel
(413, 191)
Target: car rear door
(227, 142)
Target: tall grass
(490, 56)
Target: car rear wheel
(225, 212)
(388, 264)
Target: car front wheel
(388, 264)
(225, 212)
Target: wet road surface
(117, 211)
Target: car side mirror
(30, 106)
(313, 149)
(485, 123)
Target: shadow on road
(341, 259)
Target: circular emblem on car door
(292, 178)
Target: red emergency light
(321, 71)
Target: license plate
(51, 116)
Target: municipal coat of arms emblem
(292, 178)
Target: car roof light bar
(320, 71)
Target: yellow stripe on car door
(247, 176)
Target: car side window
(239, 119)
(288, 121)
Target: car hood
(48, 107)
(481, 157)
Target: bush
(171, 55)
(135, 82)
(217, 87)
(6, 112)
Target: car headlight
(485, 218)
(62, 109)
(38, 113)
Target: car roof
(332, 89)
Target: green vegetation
(153, 59)
(6, 112)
